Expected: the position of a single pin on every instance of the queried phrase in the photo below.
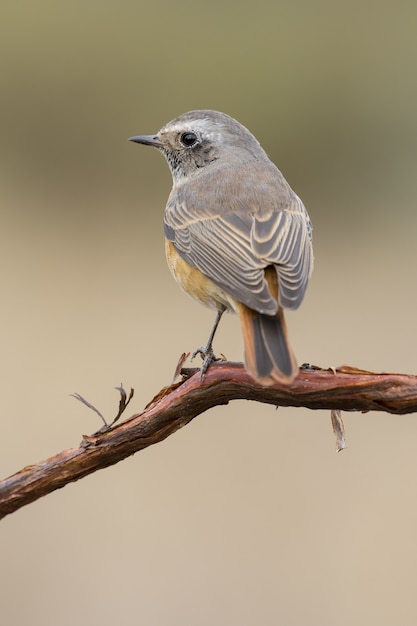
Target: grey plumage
(231, 227)
(232, 216)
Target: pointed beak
(147, 140)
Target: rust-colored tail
(268, 355)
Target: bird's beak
(147, 140)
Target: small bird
(238, 238)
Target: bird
(237, 237)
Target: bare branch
(346, 388)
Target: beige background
(247, 516)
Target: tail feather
(268, 354)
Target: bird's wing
(283, 239)
(233, 244)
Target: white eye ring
(188, 139)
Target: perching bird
(237, 237)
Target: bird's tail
(268, 355)
(269, 358)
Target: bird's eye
(188, 139)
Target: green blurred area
(327, 86)
(247, 516)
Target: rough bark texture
(346, 389)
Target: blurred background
(246, 516)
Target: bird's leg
(206, 352)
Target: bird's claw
(208, 358)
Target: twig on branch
(346, 388)
(338, 429)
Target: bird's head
(197, 139)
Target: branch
(345, 388)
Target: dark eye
(188, 139)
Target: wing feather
(248, 231)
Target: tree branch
(345, 388)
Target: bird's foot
(208, 357)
